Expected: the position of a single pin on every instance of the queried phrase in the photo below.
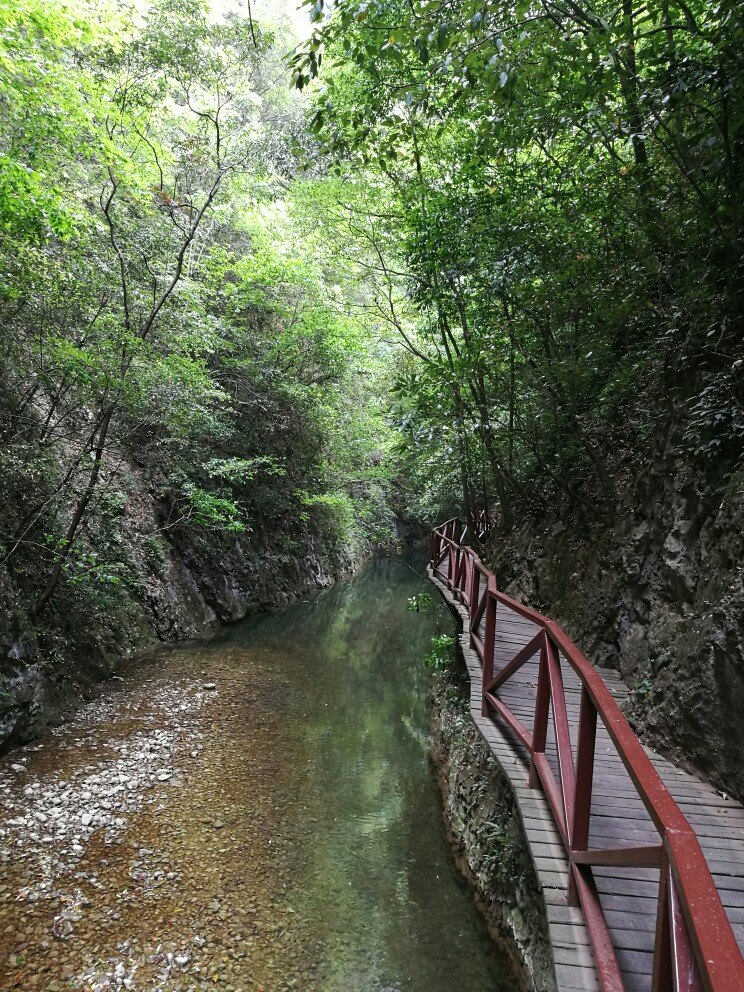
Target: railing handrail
(713, 945)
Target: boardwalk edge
(572, 961)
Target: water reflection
(374, 883)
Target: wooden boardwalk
(628, 894)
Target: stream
(257, 811)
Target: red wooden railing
(695, 948)
(479, 523)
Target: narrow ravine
(254, 812)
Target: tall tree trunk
(77, 515)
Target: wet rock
(657, 595)
(478, 798)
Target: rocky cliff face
(658, 595)
(177, 584)
(486, 833)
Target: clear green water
(280, 830)
(373, 882)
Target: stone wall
(658, 594)
(179, 585)
(486, 833)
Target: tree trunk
(77, 516)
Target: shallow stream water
(258, 811)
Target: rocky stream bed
(140, 845)
(253, 813)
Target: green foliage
(210, 510)
(423, 603)
(512, 260)
(549, 204)
(170, 310)
(242, 470)
(495, 840)
(47, 102)
(642, 687)
(442, 653)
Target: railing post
(474, 600)
(661, 977)
(542, 709)
(489, 640)
(582, 806)
(437, 548)
(677, 964)
(474, 590)
(459, 573)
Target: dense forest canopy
(558, 226)
(170, 307)
(435, 256)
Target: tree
(565, 186)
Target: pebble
(105, 853)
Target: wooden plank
(624, 938)
(630, 888)
(619, 819)
(621, 920)
(634, 962)
(571, 978)
(575, 956)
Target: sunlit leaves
(551, 171)
(152, 282)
